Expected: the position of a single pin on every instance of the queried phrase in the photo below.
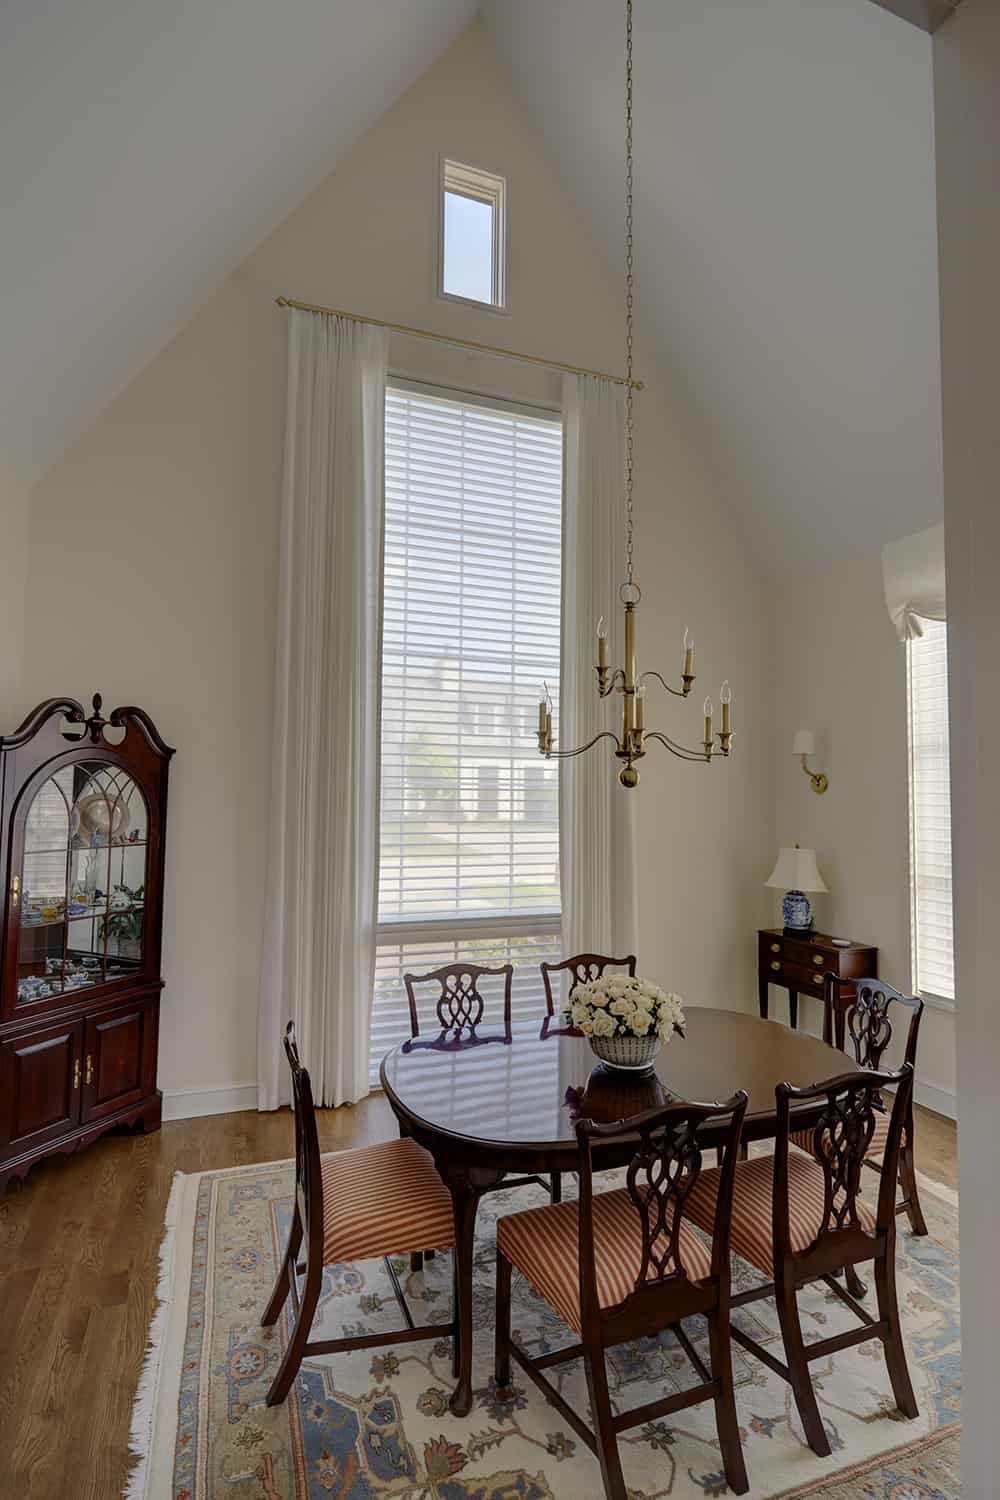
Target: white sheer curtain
(596, 815)
(913, 574)
(322, 878)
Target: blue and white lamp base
(796, 913)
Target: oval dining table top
(527, 1090)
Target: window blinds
(930, 812)
(469, 859)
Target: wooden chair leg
(299, 1338)
(501, 1354)
(895, 1353)
(416, 1260)
(603, 1418)
(555, 1187)
(280, 1292)
(854, 1284)
(726, 1420)
(798, 1371)
(908, 1183)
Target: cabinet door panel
(40, 1085)
(118, 1058)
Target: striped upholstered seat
(384, 1200)
(543, 1243)
(751, 1231)
(804, 1138)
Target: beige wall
(844, 677)
(13, 568)
(153, 556)
(967, 127)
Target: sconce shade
(804, 743)
(796, 870)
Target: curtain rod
(442, 338)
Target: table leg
(793, 1008)
(762, 988)
(465, 1201)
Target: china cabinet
(82, 808)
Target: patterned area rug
(375, 1425)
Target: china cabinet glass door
(83, 879)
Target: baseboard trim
(189, 1104)
(930, 1095)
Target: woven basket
(633, 1054)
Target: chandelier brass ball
(628, 776)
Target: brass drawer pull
(775, 966)
(817, 958)
(90, 1069)
(775, 947)
(76, 1073)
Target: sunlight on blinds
(469, 814)
(930, 812)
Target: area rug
(375, 1425)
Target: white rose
(603, 1025)
(623, 1006)
(587, 1027)
(641, 1022)
(599, 997)
(579, 1013)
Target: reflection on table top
(530, 1087)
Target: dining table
(493, 1103)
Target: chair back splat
(582, 968)
(661, 1174)
(459, 1005)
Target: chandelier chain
(629, 295)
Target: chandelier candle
(630, 743)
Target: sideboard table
(800, 965)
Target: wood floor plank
(79, 1263)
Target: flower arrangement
(619, 1006)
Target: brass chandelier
(630, 743)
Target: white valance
(913, 572)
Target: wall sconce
(804, 745)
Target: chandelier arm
(683, 752)
(582, 749)
(677, 692)
(615, 681)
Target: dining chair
(375, 1201)
(459, 1004)
(622, 1265)
(867, 1020)
(460, 1008)
(799, 1219)
(582, 968)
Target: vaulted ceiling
(785, 209)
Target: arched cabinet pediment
(82, 801)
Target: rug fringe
(144, 1403)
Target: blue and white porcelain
(796, 911)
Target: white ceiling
(786, 247)
(785, 194)
(146, 147)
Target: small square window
(473, 234)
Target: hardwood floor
(78, 1255)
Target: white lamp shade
(804, 743)
(796, 870)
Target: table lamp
(796, 872)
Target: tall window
(469, 816)
(473, 234)
(930, 812)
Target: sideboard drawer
(807, 956)
(796, 976)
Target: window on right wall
(930, 813)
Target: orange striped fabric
(804, 1138)
(543, 1244)
(751, 1232)
(384, 1200)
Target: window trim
(487, 187)
(931, 1000)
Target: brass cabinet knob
(817, 979)
(817, 958)
(775, 966)
(775, 947)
